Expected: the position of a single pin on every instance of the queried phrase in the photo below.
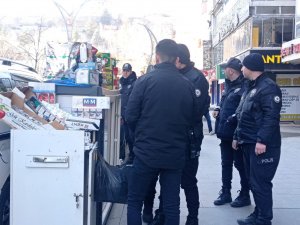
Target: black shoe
(250, 220)
(159, 218)
(243, 199)
(224, 197)
(191, 221)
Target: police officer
(188, 179)
(127, 82)
(161, 110)
(258, 135)
(226, 124)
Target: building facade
(241, 27)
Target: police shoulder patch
(197, 92)
(277, 99)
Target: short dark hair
(167, 49)
(184, 54)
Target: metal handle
(50, 159)
(77, 199)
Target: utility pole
(69, 18)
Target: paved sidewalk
(286, 191)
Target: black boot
(147, 217)
(159, 218)
(243, 199)
(224, 197)
(250, 220)
(191, 221)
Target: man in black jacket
(127, 82)
(188, 178)
(258, 135)
(160, 110)
(226, 124)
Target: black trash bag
(111, 182)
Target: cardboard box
(14, 119)
(36, 106)
(16, 98)
(17, 101)
(76, 123)
(73, 122)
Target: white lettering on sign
(85, 102)
(290, 110)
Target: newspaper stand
(52, 171)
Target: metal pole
(153, 41)
(69, 18)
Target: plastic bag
(111, 182)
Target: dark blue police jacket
(203, 100)
(226, 120)
(258, 113)
(126, 89)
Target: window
(267, 10)
(257, 33)
(297, 27)
(278, 31)
(287, 10)
(288, 28)
(268, 32)
(5, 84)
(272, 32)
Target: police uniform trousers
(189, 185)
(231, 157)
(260, 170)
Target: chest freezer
(51, 178)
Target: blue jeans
(139, 183)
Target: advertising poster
(290, 110)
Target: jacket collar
(187, 68)
(165, 65)
(236, 81)
(129, 80)
(252, 83)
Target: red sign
(293, 49)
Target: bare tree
(7, 50)
(30, 42)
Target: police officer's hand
(215, 113)
(260, 148)
(235, 145)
